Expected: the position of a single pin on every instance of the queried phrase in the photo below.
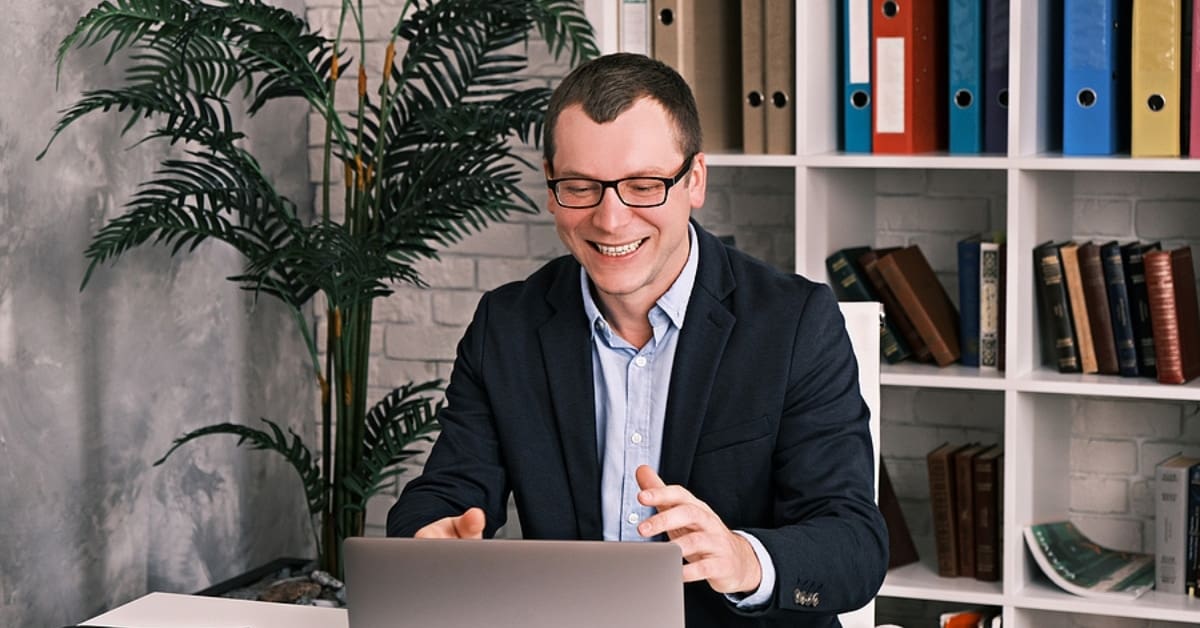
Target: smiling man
(656, 385)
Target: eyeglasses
(583, 193)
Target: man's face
(631, 254)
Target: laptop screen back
(427, 583)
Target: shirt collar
(673, 302)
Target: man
(657, 385)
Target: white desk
(174, 610)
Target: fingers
(647, 478)
(468, 525)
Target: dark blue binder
(966, 76)
(995, 76)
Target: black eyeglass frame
(668, 182)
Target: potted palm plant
(426, 156)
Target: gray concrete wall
(95, 385)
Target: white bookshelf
(835, 208)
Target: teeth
(616, 251)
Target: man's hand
(712, 551)
(468, 525)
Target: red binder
(908, 76)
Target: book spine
(941, 499)
(1069, 253)
(964, 505)
(1187, 312)
(1139, 306)
(1058, 308)
(893, 313)
(924, 300)
(1118, 304)
(1193, 530)
(989, 305)
(849, 284)
(968, 301)
(1095, 294)
(1160, 290)
(1170, 514)
(987, 522)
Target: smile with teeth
(617, 251)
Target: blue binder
(856, 76)
(966, 76)
(1090, 105)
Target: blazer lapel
(706, 329)
(566, 349)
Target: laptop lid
(439, 583)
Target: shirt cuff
(766, 588)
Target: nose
(611, 214)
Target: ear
(551, 204)
(698, 181)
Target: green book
(849, 283)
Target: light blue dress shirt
(630, 387)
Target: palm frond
(293, 450)
(400, 420)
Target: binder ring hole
(1156, 102)
(963, 98)
(860, 99)
(666, 16)
(1086, 98)
(1002, 98)
(890, 8)
(755, 99)
(779, 99)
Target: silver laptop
(427, 583)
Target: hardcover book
(1069, 255)
(1118, 308)
(1171, 489)
(1174, 314)
(1139, 304)
(924, 301)
(891, 308)
(850, 283)
(1095, 293)
(942, 489)
(989, 508)
(902, 550)
(1059, 348)
(964, 505)
(991, 302)
(968, 299)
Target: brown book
(942, 485)
(1174, 314)
(891, 308)
(964, 505)
(1069, 253)
(924, 300)
(1095, 292)
(989, 498)
(901, 548)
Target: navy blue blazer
(764, 422)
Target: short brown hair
(607, 86)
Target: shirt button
(633, 517)
(636, 438)
(640, 360)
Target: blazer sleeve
(465, 467)
(831, 551)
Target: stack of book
(920, 320)
(966, 494)
(1118, 309)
